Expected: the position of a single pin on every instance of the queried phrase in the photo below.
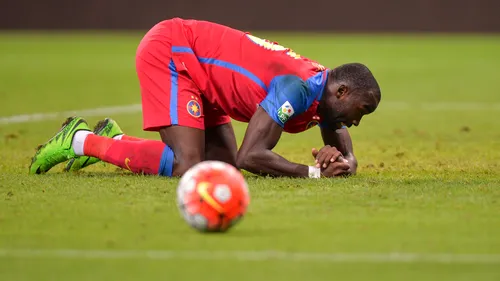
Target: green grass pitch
(428, 185)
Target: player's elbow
(241, 161)
(247, 161)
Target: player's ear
(342, 91)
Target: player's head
(350, 93)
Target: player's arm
(341, 139)
(288, 96)
(255, 154)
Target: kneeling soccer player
(197, 75)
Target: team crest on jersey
(285, 112)
(194, 108)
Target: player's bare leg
(187, 144)
(220, 144)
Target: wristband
(314, 173)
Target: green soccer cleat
(107, 128)
(59, 148)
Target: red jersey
(234, 71)
(239, 72)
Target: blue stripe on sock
(166, 162)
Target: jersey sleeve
(288, 96)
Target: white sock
(118, 137)
(79, 141)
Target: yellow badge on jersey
(272, 46)
(266, 44)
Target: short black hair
(357, 76)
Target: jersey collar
(317, 84)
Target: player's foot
(59, 148)
(107, 128)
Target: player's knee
(240, 163)
(187, 161)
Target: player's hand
(326, 155)
(336, 169)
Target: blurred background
(319, 15)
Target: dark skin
(220, 144)
(191, 146)
(340, 106)
(338, 147)
(188, 145)
(256, 155)
(353, 105)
